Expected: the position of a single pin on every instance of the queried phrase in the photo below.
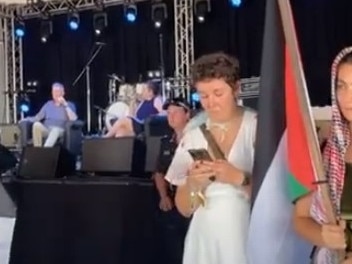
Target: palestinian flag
(281, 159)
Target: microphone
(99, 108)
(116, 77)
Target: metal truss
(56, 7)
(4, 11)
(13, 69)
(184, 48)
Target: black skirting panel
(90, 222)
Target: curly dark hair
(216, 66)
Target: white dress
(218, 231)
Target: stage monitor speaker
(153, 153)
(114, 156)
(7, 159)
(46, 163)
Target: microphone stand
(100, 114)
(162, 65)
(86, 70)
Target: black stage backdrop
(132, 49)
(237, 31)
(324, 28)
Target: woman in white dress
(216, 193)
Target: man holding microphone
(50, 121)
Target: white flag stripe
(6, 230)
(272, 239)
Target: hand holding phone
(200, 154)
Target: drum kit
(123, 99)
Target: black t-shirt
(167, 150)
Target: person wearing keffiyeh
(309, 216)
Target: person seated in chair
(50, 121)
(151, 104)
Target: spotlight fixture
(235, 3)
(201, 9)
(159, 14)
(73, 20)
(20, 29)
(46, 29)
(32, 84)
(24, 104)
(100, 22)
(154, 74)
(130, 11)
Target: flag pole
(314, 149)
(304, 104)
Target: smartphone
(200, 154)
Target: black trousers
(171, 230)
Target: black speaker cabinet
(46, 163)
(7, 159)
(118, 156)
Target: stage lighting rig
(201, 9)
(130, 11)
(20, 29)
(159, 14)
(73, 20)
(46, 29)
(156, 74)
(24, 103)
(100, 22)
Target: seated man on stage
(151, 104)
(171, 224)
(54, 114)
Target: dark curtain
(323, 29)
(236, 31)
(130, 51)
